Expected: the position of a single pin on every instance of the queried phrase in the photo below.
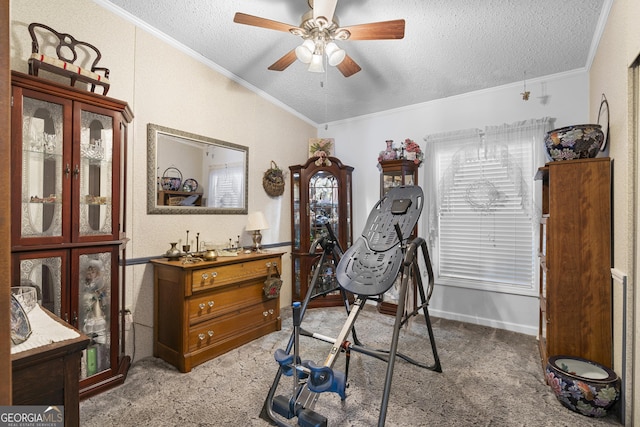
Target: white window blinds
(481, 222)
(226, 188)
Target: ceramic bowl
(26, 296)
(574, 142)
(582, 385)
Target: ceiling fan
(319, 30)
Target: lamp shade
(335, 55)
(256, 221)
(316, 64)
(304, 52)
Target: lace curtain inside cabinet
(481, 212)
(226, 186)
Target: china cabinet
(394, 173)
(204, 309)
(320, 194)
(67, 226)
(575, 260)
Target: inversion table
(367, 270)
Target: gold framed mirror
(194, 174)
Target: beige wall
(165, 86)
(609, 74)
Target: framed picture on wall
(321, 147)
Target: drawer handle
(269, 264)
(205, 276)
(271, 311)
(265, 313)
(203, 305)
(202, 336)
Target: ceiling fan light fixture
(304, 52)
(316, 64)
(335, 55)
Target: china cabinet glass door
(95, 174)
(45, 271)
(44, 171)
(95, 269)
(323, 205)
(295, 200)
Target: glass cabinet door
(95, 174)
(295, 196)
(44, 169)
(46, 271)
(95, 273)
(323, 204)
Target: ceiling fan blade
(324, 8)
(282, 63)
(256, 21)
(348, 66)
(377, 30)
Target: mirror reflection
(193, 174)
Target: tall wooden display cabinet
(396, 173)
(68, 204)
(575, 260)
(320, 194)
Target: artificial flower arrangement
(321, 148)
(413, 151)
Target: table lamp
(256, 222)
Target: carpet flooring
(490, 377)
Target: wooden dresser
(204, 309)
(575, 260)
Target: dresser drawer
(212, 277)
(216, 302)
(209, 333)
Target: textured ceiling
(450, 47)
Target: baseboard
(493, 323)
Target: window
(482, 218)
(226, 186)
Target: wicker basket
(273, 181)
(176, 201)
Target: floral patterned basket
(582, 385)
(574, 142)
(171, 183)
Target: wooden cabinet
(49, 375)
(68, 165)
(320, 194)
(394, 173)
(204, 309)
(575, 260)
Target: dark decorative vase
(582, 385)
(173, 252)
